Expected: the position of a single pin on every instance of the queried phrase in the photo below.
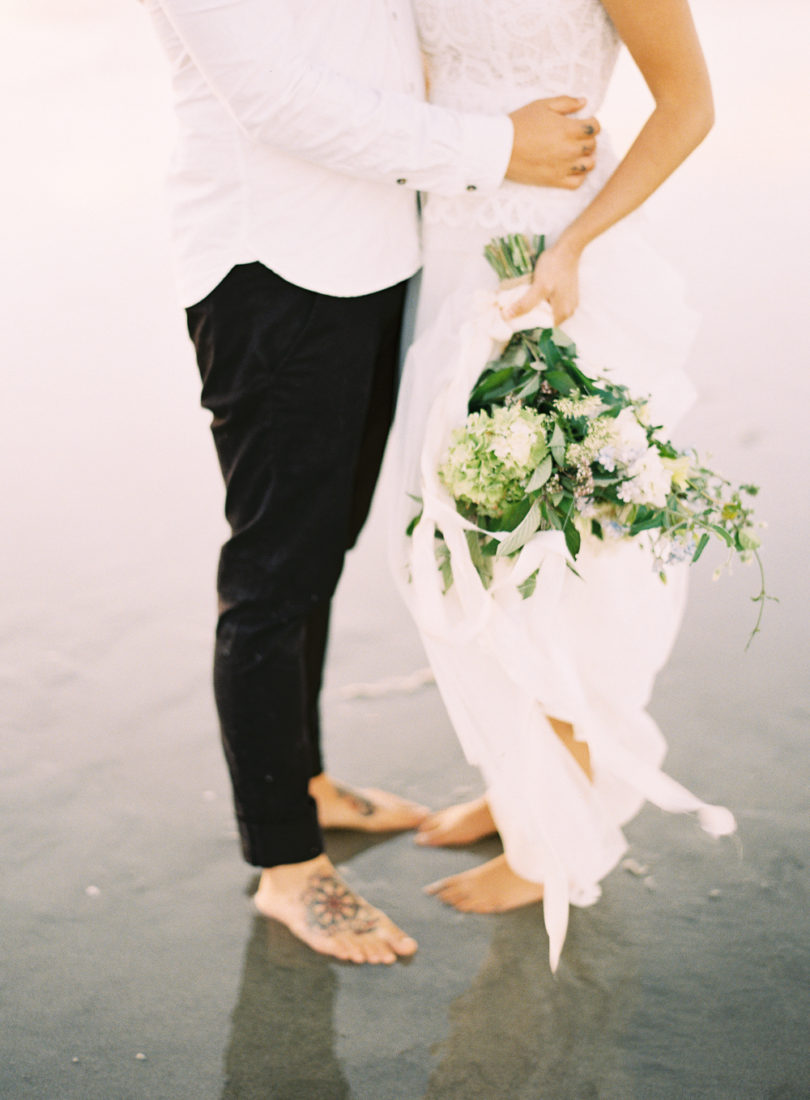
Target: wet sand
(134, 966)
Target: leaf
(487, 383)
(513, 516)
(563, 341)
(409, 530)
(529, 388)
(514, 354)
(474, 547)
(724, 535)
(701, 546)
(572, 539)
(648, 524)
(582, 381)
(549, 351)
(442, 552)
(540, 475)
(522, 533)
(527, 588)
(559, 380)
(557, 445)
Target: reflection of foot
(370, 811)
(491, 888)
(320, 909)
(462, 824)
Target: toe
(454, 894)
(434, 888)
(405, 945)
(429, 831)
(397, 940)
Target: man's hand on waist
(551, 148)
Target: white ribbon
(517, 634)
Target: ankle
(321, 786)
(289, 878)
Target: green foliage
(546, 447)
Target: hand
(550, 149)
(555, 280)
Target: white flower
(627, 440)
(650, 481)
(607, 458)
(579, 406)
(515, 442)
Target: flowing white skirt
(584, 649)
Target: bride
(548, 695)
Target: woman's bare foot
(367, 810)
(319, 908)
(461, 824)
(491, 888)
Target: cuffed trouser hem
(270, 844)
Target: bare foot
(462, 824)
(491, 888)
(367, 810)
(319, 908)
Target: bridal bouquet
(546, 447)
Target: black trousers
(301, 391)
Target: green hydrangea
(492, 457)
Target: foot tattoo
(331, 908)
(364, 806)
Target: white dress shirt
(303, 136)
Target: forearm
(661, 38)
(671, 133)
(280, 97)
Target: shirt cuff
(486, 150)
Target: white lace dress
(582, 650)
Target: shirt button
(402, 181)
(471, 187)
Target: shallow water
(126, 926)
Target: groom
(302, 143)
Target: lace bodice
(495, 55)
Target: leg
(471, 821)
(340, 806)
(493, 887)
(578, 749)
(287, 376)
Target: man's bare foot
(461, 824)
(491, 888)
(319, 908)
(367, 810)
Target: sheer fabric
(584, 648)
